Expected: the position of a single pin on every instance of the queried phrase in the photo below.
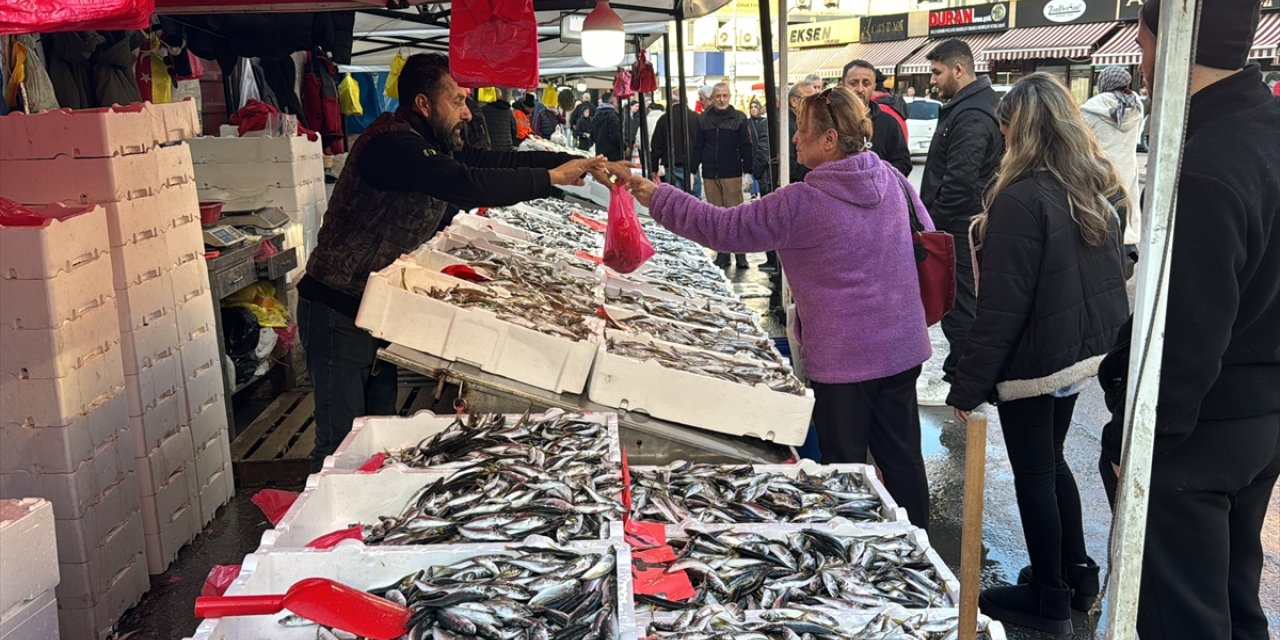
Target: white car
(922, 120)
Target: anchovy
(716, 622)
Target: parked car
(922, 120)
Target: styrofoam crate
(216, 492)
(392, 311)
(181, 121)
(169, 522)
(78, 537)
(35, 620)
(96, 180)
(143, 344)
(186, 235)
(847, 620)
(46, 304)
(82, 133)
(161, 378)
(199, 349)
(249, 175)
(61, 448)
(175, 455)
(275, 572)
(73, 494)
(149, 430)
(376, 434)
(209, 419)
(145, 302)
(28, 552)
(194, 317)
(205, 383)
(85, 582)
(254, 150)
(211, 457)
(680, 396)
(70, 236)
(139, 260)
(98, 622)
(169, 209)
(191, 279)
(293, 200)
(55, 353)
(54, 401)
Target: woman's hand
(642, 189)
(571, 172)
(962, 416)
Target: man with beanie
(1217, 445)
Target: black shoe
(1083, 582)
(1034, 606)
(742, 262)
(722, 260)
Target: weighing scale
(265, 219)
(223, 236)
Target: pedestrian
(653, 112)
(606, 128)
(705, 100)
(963, 157)
(1051, 300)
(543, 120)
(911, 94)
(402, 175)
(760, 167)
(477, 130)
(1116, 116)
(501, 121)
(844, 238)
(795, 99)
(722, 149)
(889, 140)
(675, 130)
(630, 126)
(583, 108)
(1216, 454)
(584, 128)
(814, 80)
(524, 129)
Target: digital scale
(266, 219)
(221, 236)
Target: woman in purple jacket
(844, 239)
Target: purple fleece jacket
(844, 238)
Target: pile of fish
(533, 592)
(808, 567)
(716, 622)
(547, 227)
(732, 494)
(531, 439)
(777, 377)
(568, 496)
(724, 341)
(705, 316)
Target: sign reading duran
(1043, 13)
(884, 28)
(965, 20)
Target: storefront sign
(822, 34)
(1129, 9)
(1043, 13)
(975, 19)
(1270, 5)
(884, 28)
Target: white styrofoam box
(205, 382)
(139, 260)
(248, 175)
(212, 456)
(73, 494)
(98, 622)
(216, 492)
(187, 234)
(96, 133)
(54, 401)
(35, 620)
(28, 552)
(169, 208)
(145, 302)
(46, 304)
(175, 455)
(190, 278)
(169, 521)
(275, 572)
(95, 180)
(209, 419)
(78, 537)
(143, 344)
(680, 396)
(181, 120)
(149, 430)
(61, 448)
(254, 150)
(848, 621)
(161, 378)
(293, 200)
(70, 236)
(83, 583)
(55, 353)
(198, 349)
(493, 225)
(375, 434)
(195, 316)
(392, 311)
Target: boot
(1083, 582)
(742, 261)
(722, 260)
(1033, 605)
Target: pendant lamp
(603, 40)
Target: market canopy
(1122, 49)
(1266, 40)
(1058, 41)
(885, 56)
(977, 42)
(826, 62)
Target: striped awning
(1058, 41)
(1121, 50)
(886, 55)
(824, 61)
(977, 42)
(1266, 40)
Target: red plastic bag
(622, 85)
(331, 539)
(220, 577)
(626, 247)
(274, 503)
(494, 43)
(643, 79)
(47, 16)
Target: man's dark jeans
(349, 380)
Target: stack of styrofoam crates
(252, 172)
(133, 162)
(64, 423)
(28, 570)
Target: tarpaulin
(45, 16)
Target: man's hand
(571, 172)
(642, 189)
(962, 416)
(620, 171)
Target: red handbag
(643, 79)
(935, 253)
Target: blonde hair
(839, 109)
(1046, 132)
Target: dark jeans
(955, 325)
(1203, 560)
(349, 380)
(881, 415)
(675, 177)
(1048, 500)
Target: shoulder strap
(916, 226)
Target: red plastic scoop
(321, 600)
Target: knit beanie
(1226, 31)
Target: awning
(1058, 41)
(886, 55)
(1122, 49)
(977, 42)
(1266, 40)
(823, 61)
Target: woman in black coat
(1051, 298)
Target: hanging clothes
(40, 95)
(320, 107)
(112, 66)
(281, 75)
(152, 72)
(67, 57)
(245, 84)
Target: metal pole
(644, 128)
(685, 142)
(733, 68)
(1171, 86)
(784, 114)
(671, 103)
(770, 86)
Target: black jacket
(502, 124)
(544, 121)
(1049, 304)
(760, 152)
(887, 139)
(963, 156)
(664, 132)
(722, 144)
(606, 131)
(798, 171)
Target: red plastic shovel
(320, 600)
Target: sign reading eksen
(964, 20)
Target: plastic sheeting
(44, 16)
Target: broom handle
(975, 463)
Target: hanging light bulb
(603, 40)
